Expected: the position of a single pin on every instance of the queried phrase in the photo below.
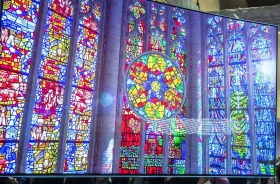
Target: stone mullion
(31, 89)
(165, 134)
(106, 120)
(93, 127)
(68, 88)
(205, 98)
(252, 119)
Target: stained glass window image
(177, 92)
(17, 38)
(264, 102)
(238, 81)
(47, 109)
(217, 98)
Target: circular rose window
(154, 86)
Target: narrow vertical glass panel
(153, 22)
(264, 72)
(80, 115)
(239, 100)
(216, 97)
(153, 151)
(81, 103)
(216, 85)
(47, 110)
(217, 141)
(178, 38)
(130, 142)
(18, 22)
(56, 44)
(176, 147)
(219, 34)
(157, 38)
(178, 52)
(141, 27)
(131, 124)
(210, 36)
(86, 58)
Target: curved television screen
(134, 87)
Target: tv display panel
(134, 87)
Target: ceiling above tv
(254, 3)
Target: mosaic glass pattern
(215, 54)
(216, 96)
(131, 124)
(130, 142)
(153, 151)
(41, 157)
(46, 119)
(18, 23)
(264, 72)
(176, 147)
(157, 31)
(236, 51)
(81, 103)
(178, 52)
(157, 38)
(178, 38)
(155, 87)
(238, 89)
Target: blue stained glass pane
(264, 89)
(261, 48)
(215, 54)
(236, 52)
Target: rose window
(154, 86)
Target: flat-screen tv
(134, 87)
